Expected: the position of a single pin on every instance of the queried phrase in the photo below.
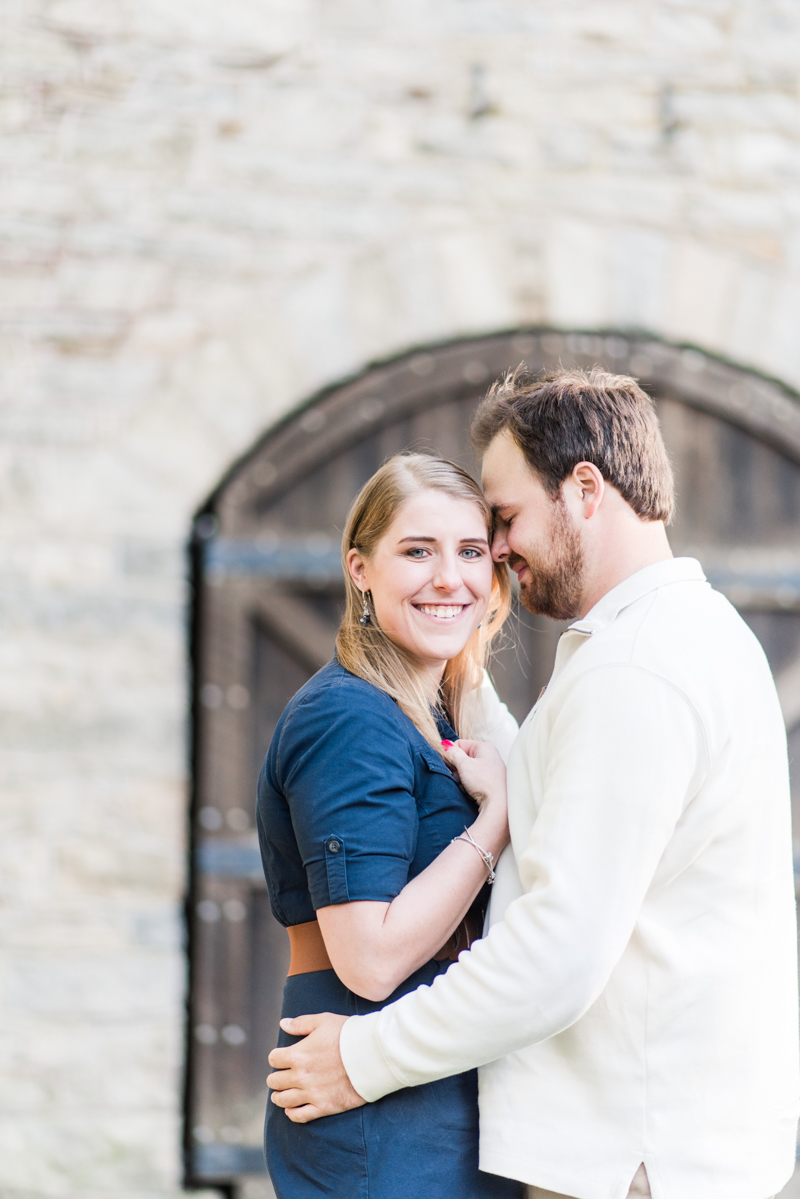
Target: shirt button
(333, 846)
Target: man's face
(533, 533)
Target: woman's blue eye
(471, 552)
(417, 552)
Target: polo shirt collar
(660, 574)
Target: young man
(634, 1004)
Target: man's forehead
(504, 470)
(502, 495)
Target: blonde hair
(365, 650)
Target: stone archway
(267, 586)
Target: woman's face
(430, 577)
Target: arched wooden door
(268, 592)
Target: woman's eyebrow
(433, 540)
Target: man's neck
(639, 545)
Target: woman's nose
(448, 576)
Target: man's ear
(357, 567)
(588, 487)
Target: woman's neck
(432, 676)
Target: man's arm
(625, 755)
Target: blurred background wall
(208, 211)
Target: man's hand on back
(310, 1080)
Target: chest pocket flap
(435, 763)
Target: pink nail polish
(448, 744)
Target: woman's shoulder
(333, 694)
(337, 721)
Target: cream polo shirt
(635, 998)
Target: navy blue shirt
(352, 800)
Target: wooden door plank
(297, 626)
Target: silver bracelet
(488, 858)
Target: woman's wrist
(490, 832)
(486, 855)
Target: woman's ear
(357, 567)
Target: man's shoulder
(691, 637)
(692, 627)
(668, 625)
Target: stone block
(782, 345)
(639, 264)
(119, 283)
(576, 271)
(698, 294)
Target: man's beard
(556, 584)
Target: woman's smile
(442, 612)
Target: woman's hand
(482, 773)
(479, 768)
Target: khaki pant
(639, 1189)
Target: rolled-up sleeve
(625, 754)
(347, 773)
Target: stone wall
(207, 211)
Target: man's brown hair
(572, 416)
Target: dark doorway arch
(267, 590)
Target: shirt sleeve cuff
(363, 1060)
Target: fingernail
(448, 744)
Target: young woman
(377, 861)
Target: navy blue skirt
(419, 1143)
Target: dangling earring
(365, 617)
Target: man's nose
(500, 548)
